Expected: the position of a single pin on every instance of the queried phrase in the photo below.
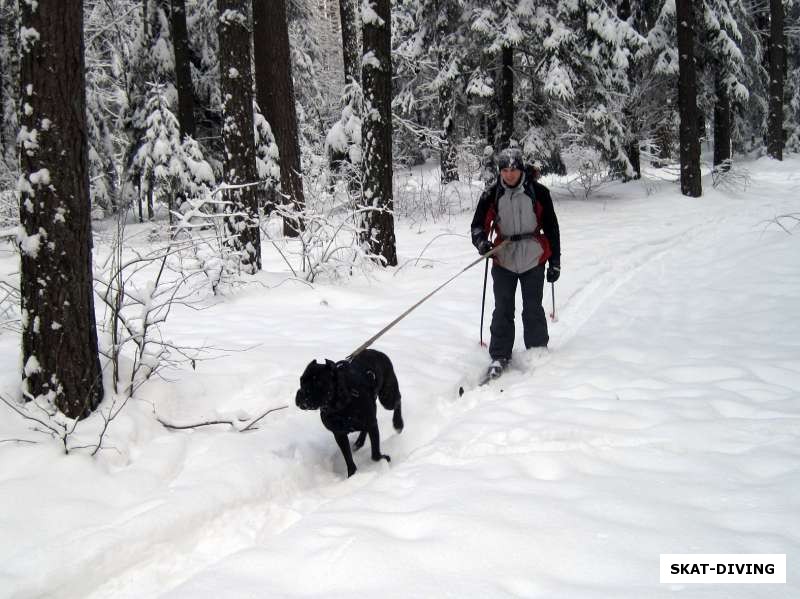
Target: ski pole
(483, 301)
(553, 316)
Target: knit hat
(510, 158)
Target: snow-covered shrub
(729, 176)
(138, 289)
(588, 167)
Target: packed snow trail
(664, 420)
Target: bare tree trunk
(59, 334)
(348, 15)
(506, 101)
(722, 125)
(377, 134)
(687, 101)
(275, 92)
(239, 163)
(777, 76)
(183, 71)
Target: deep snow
(665, 418)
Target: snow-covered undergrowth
(665, 418)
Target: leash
(372, 339)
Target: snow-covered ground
(665, 418)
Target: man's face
(511, 176)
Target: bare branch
(252, 424)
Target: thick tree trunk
(687, 101)
(275, 93)
(59, 334)
(239, 163)
(722, 126)
(183, 71)
(777, 76)
(506, 101)
(348, 15)
(377, 134)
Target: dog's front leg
(375, 442)
(344, 444)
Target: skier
(518, 209)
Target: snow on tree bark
(239, 155)
(777, 75)
(59, 335)
(276, 98)
(376, 133)
(687, 101)
(348, 15)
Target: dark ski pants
(534, 322)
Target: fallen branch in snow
(18, 441)
(214, 422)
(179, 427)
(252, 424)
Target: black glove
(484, 246)
(553, 272)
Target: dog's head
(317, 385)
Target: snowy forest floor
(665, 418)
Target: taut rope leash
(372, 339)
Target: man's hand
(553, 272)
(484, 246)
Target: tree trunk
(722, 126)
(506, 101)
(183, 71)
(377, 134)
(59, 333)
(687, 101)
(348, 15)
(448, 154)
(275, 93)
(777, 75)
(239, 162)
(5, 29)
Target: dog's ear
(330, 363)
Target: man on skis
(520, 211)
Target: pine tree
(237, 131)
(777, 76)
(59, 337)
(376, 132)
(183, 72)
(275, 92)
(171, 170)
(687, 100)
(723, 54)
(348, 17)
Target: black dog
(345, 394)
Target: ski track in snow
(241, 527)
(570, 433)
